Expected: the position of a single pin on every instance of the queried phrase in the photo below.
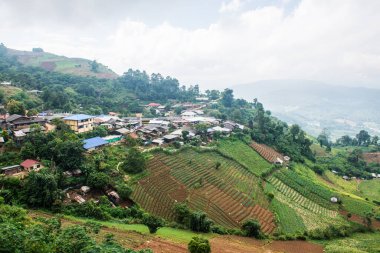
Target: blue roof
(94, 142)
(79, 117)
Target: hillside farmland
(229, 194)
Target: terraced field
(308, 202)
(229, 195)
(267, 152)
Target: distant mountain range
(63, 64)
(316, 105)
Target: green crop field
(297, 194)
(370, 189)
(245, 155)
(288, 220)
(358, 243)
(229, 194)
(356, 206)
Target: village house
(17, 122)
(21, 169)
(122, 131)
(29, 165)
(94, 143)
(10, 170)
(153, 105)
(19, 136)
(80, 123)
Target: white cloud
(326, 40)
(233, 5)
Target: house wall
(80, 126)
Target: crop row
(307, 188)
(300, 199)
(225, 193)
(311, 220)
(266, 152)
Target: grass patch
(358, 243)
(289, 221)
(245, 155)
(370, 189)
(357, 206)
(173, 234)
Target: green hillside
(62, 64)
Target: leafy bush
(199, 222)
(153, 223)
(252, 228)
(199, 245)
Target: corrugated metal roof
(79, 117)
(94, 142)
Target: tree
(94, 66)
(323, 138)
(213, 94)
(32, 112)
(41, 190)
(363, 138)
(15, 107)
(67, 154)
(345, 140)
(123, 190)
(73, 240)
(227, 97)
(182, 213)
(185, 135)
(135, 161)
(252, 228)
(199, 222)
(153, 223)
(2, 96)
(199, 245)
(98, 180)
(10, 238)
(375, 140)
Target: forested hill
(51, 62)
(88, 94)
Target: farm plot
(307, 188)
(313, 216)
(229, 194)
(372, 157)
(267, 152)
(301, 200)
(245, 155)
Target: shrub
(200, 223)
(199, 245)
(123, 190)
(153, 223)
(252, 228)
(98, 180)
(135, 161)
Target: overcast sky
(214, 43)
